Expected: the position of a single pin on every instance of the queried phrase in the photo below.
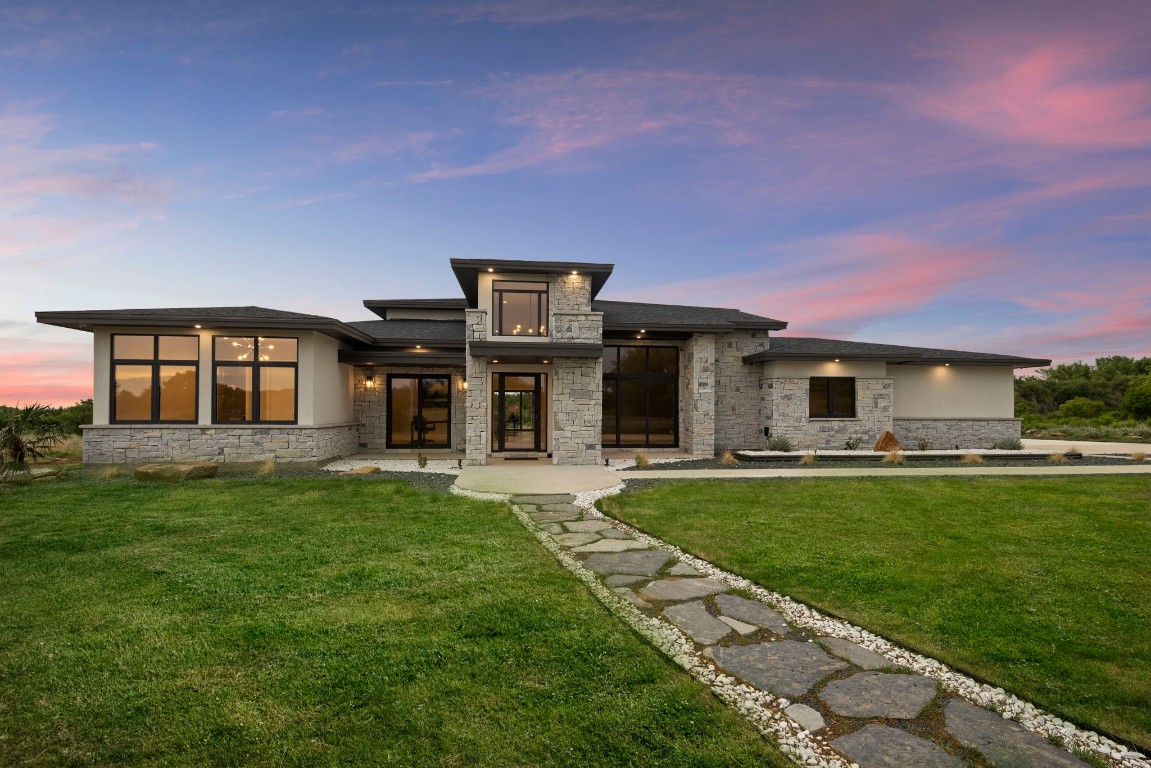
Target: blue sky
(971, 175)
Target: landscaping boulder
(887, 443)
(368, 470)
(175, 473)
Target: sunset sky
(971, 175)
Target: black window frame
(831, 397)
(542, 309)
(616, 376)
(155, 362)
(419, 407)
(256, 364)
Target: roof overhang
(381, 306)
(468, 272)
(402, 357)
(520, 349)
(93, 319)
(1014, 362)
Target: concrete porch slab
(528, 478)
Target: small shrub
(779, 443)
(267, 468)
(1139, 456)
(852, 443)
(1057, 458)
(971, 459)
(1008, 444)
(108, 473)
(808, 459)
(641, 459)
(728, 459)
(923, 445)
(894, 458)
(1082, 408)
(421, 460)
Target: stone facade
(371, 406)
(697, 395)
(874, 401)
(742, 409)
(577, 410)
(577, 327)
(121, 444)
(570, 293)
(476, 414)
(949, 433)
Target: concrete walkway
(1087, 447)
(522, 478)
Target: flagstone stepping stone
(563, 498)
(1003, 742)
(681, 589)
(856, 654)
(752, 612)
(611, 545)
(879, 694)
(553, 528)
(682, 569)
(785, 668)
(561, 508)
(646, 563)
(700, 625)
(632, 597)
(576, 539)
(613, 533)
(623, 580)
(555, 517)
(590, 526)
(739, 626)
(808, 718)
(880, 746)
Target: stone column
(476, 441)
(577, 410)
(698, 392)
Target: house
(528, 362)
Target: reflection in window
(255, 379)
(832, 398)
(641, 396)
(419, 411)
(154, 378)
(520, 308)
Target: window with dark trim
(832, 397)
(419, 411)
(155, 379)
(520, 308)
(640, 397)
(255, 380)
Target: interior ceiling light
(490, 269)
(197, 326)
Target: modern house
(528, 362)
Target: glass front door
(419, 411)
(517, 412)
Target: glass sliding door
(419, 411)
(517, 412)
(640, 397)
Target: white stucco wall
(956, 391)
(801, 369)
(333, 395)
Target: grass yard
(1040, 585)
(320, 622)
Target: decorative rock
(752, 612)
(587, 526)
(856, 654)
(878, 694)
(613, 533)
(622, 580)
(611, 545)
(887, 443)
(645, 563)
(880, 746)
(700, 625)
(681, 589)
(576, 539)
(807, 718)
(682, 569)
(1003, 742)
(739, 626)
(785, 668)
(177, 473)
(366, 470)
(631, 597)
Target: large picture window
(419, 411)
(520, 308)
(640, 397)
(255, 379)
(154, 378)
(832, 398)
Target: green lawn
(320, 622)
(1041, 585)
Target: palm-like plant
(26, 433)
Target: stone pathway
(829, 701)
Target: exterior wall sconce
(463, 385)
(370, 382)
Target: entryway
(518, 413)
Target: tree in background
(1106, 381)
(1137, 401)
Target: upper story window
(255, 379)
(832, 397)
(154, 378)
(520, 308)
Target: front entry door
(517, 412)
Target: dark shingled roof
(796, 348)
(249, 312)
(439, 332)
(626, 314)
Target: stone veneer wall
(577, 410)
(697, 395)
(742, 409)
(569, 293)
(371, 406)
(577, 327)
(874, 399)
(476, 413)
(948, 433)
(476, 324)
(121, 444)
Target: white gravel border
(434, 467)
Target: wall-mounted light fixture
(370, 381)
(463, 385)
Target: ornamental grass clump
(808, 459)
(108, 473)
(1139, 456)
(1057, 458)
(727, 459)
(641, 459)
(780, 443)
(894, 458)
(266, 469)
(972, 459)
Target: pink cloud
(58, 374)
